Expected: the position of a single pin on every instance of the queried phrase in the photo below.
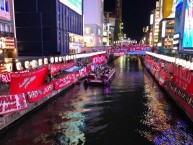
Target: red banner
(66, 65)
(99, 59)
(61, 83)
(73, 77)
(54, 68)
(12, 103)
(6, 78)
(40, 93)
(26, 82)
(183, 77)
(84, 71)
(170, 67)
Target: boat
(100, 77)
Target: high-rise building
(166, 8)
(156, 21)
(166, 25)
(51, 27)
(93, 22)
(108, 29)
(118, 22)
(7, 45)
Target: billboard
(167, 8)
(75, 5)
(178, 16)
(188, 25)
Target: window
(3, 27)
(2, 5)
(6, 6)
(7, 28)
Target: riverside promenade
(15, 106)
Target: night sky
(135, 15)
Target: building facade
(48, 28)
(118, 21)
(93, 22)
(7, 42)
(108, 29)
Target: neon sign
(188, 25)
(75, 5)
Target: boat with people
(100, 76)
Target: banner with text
(12, 103)
(183, 77)
(54, 68)
(99, 59)
(84, 71)
(61, 83)
(26, 82)
(6, 77)
(40, 93)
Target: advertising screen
(188, 26)
(75, 5)
(178, 16)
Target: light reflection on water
(164, 127)
(132, 111)
(68, 131)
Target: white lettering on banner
(7, 99)
(12, 103)
(35, 94)
(26, 82)
(5, 78)
(47, 89)
(83, 72)
(183, 77)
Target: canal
(132, 111)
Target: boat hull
(102, 81)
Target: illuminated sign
(7, 43)
(188, 25)
(75, 5)
(176, 36)
(163, 29)
(151, 19)
(178, 17)
(178, 2)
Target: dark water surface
(132, 111)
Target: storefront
(75, 43)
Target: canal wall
(172, 78)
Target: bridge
(131, 50)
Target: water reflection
(131, 111)
(69, 129)
(162, 125)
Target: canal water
(132, 111)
